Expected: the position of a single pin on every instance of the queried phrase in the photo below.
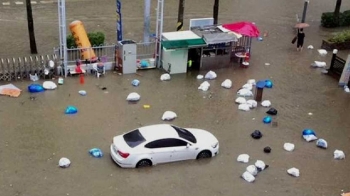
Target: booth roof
(214, 35)
(180, 35)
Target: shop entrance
(194, 55)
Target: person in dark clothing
(300, 38)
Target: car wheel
(144, 163)
(204, 154)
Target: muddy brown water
(35, 134)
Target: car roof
(159, 131)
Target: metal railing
(13, 69)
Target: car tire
(204, 154)
(144, 163)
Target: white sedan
(154, 144)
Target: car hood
(203, 136)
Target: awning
(218, 38)
(181, 44)
(181, 40)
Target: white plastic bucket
(151, 62)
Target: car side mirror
(188, 145)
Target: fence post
(335, 51)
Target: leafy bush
(71, 42)
(328, 20)
(341, 37)
(345, 18)
(96, 39)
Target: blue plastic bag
(267, 119)
(135, 82)
(82, 92)
(96, 152)
(321, 143)
(71, 110)
(268, 83)
(144, 64)
(309, 135)
(35, 88)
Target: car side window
(166, 143)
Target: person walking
(300, 39)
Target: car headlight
(215, 145)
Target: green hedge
(328, 20)
(96, 39)
(341, 37)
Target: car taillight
(122, 154)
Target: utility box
(127, 56)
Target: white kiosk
(175, 47)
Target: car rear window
(134, 138)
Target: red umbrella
(244, 28)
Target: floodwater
(35, 134)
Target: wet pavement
(35, 134)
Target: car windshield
(183, 133)
(134, 138)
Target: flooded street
(35, 134)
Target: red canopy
(244, 28)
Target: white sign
(201, 22)
(344, 79)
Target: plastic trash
(322, 143)
(51, 63)
(243, 158)
(319, 64)
(267, 149)
(165, 77)
(146, 106)
(35, 88)
(252, 103)
(268, 83)
(248, 177)
(34, 77)
(338, 154)
(240, 100)
(245, 93)
(256, 134)
(310, 47)
(244, 107)
(60, 80)
(267, 120)
(289, 147)
(346, 89)
(133, 97)
(252, 82)
(293, 172)
(322, 52)
(71, 110)
(204, 86)
(200, 77)
(309, 135)
(248, 86)
(266, 103)
(169, 115)
(49, 85)
(260, 39)
(96, 152)
(82, 92)
(227, 83)
(260, 165)
(135, 82)
(210, 75)
(64, 162)
(252, 170)
(272, 111)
